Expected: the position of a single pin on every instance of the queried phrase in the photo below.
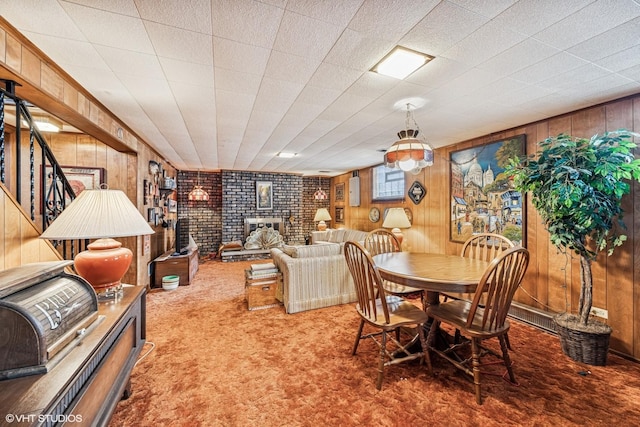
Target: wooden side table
(262, 290)
(184, 266)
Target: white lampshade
(100, 214)
(396, 218)
(322, 214)
(96, 214)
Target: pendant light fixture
(198, 192)
(320, 194)
(409, 153)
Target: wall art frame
(80, 178)
(264, 195)
(339, 189)
(339, 215)
(482, 198)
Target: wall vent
(538, 318)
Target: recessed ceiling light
(401, 62)
(286, 155)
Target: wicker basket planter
(588, 345)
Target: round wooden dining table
(434, 273)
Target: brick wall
(232, 198)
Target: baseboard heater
(533, 316)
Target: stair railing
(49, 190)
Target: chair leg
(435, 324)
(475, 354)
(506, 338)
(425, 348)
(383, 349)
(355, 345)
(504, 344)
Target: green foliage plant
(576, 186)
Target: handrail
(56, 191)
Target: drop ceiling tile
(187, 72)
(620, 38)
(234, 81)
(549, 68)
(290, 68)
(124, 7)
(277, 96)
(336, 12)
(193, 15)
(372, 85)
(68, 52)
(239, 56)
(358, 51)
(132, 63)
(443, 27)
(484, 43)
(390, 19)
(318, 96)
(184, 45)
(50, 16)
(518, 57)
(588, 22)
(632, 73)
(487, 8)
(246, 21)
(531, 17)
(110, 29)
(575, 77)
(306, 37)
(333, 77)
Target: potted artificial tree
(576, 185)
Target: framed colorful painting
(482, 198)
(264, 195)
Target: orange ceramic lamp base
(103, 264)
(396, 232)
(322, 226)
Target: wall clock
(374, 215)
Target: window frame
(397, 176)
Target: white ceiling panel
(192, 15)
(227, 84)
(183, 45)
(109, 29)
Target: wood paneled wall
(19, 242)
(616, 278)
(112, 145)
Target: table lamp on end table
(322, 215)
(100, 214)
(396, 219)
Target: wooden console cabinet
(86, 385)
(184, 266)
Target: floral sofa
(316, 275)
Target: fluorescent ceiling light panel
(287, 155)
(401, 62)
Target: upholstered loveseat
(316, 275)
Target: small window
(388, 184)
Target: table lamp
(322, 215)
(100, 214)
(396, 219)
